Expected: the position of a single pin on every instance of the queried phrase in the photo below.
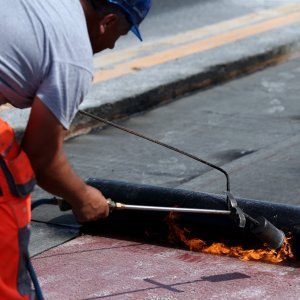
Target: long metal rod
(172, 209)
(161, 144)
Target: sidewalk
(106, 268)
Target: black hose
(35, 204)
(38, 290)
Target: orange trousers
(16, 182)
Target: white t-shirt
(45, 51)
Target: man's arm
(43, 143)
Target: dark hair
(104, 7)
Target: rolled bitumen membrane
(212, 228)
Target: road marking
(264, 21)
(114, 57)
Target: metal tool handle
(65, 206)
(120, 206)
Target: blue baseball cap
(135, 10)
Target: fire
(177, 234)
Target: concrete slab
(105, 268)
(271, 171)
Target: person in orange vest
(46, 63)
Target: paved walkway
(105, 268)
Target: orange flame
(177, 234)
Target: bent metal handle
(119, 206)
(65, 206)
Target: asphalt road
(171, 17)
(249, 126)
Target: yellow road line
(192, 35)
(196, 47)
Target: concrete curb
(165, 93)
(169, 90)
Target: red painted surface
(104, 268)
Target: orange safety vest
(16, 182)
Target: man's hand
(43, 143)
(93, 206)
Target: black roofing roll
(284, 217)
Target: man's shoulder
(46, 30)
(48, 34)
(66, 33)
